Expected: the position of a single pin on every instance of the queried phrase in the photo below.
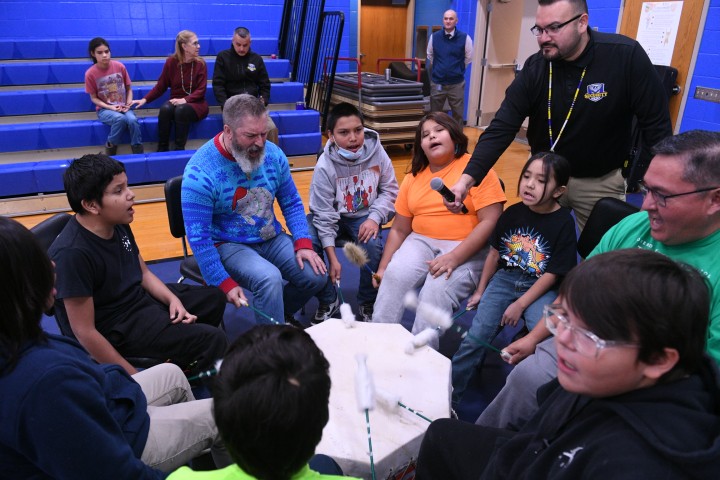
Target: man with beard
(229, 188)
(580, 92)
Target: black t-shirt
(535, 242)
(107, 270)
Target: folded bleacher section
(46, 118)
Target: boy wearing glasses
(634, 397)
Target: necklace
(182, 78)
(572, 105)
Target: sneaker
(326, 310)
(366, 312)
(137, 148)
(290, 320)
(110, 149)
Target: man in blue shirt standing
(450, 51)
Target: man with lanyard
(580, 92)
(450, 52)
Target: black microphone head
(436, 184)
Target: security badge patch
(595, 92)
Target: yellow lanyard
(572, 105)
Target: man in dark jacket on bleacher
(240, 70)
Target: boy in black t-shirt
(108, 298)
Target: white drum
(421, 381)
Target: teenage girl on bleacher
(185, 73)
(109, 86)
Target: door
(383, 33)
(684, 43)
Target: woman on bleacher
(185, 73)
(428, 246)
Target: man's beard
(243, 159)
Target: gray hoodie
(352, 189)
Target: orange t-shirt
(425, 207)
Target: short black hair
(420, 160)
(271, 400)
(87, 178)
(581, 5)
(700, 149)
(341, 110)
(26, 285)
(642, 296)
(95, 43)
(242, 32)
(554, 166)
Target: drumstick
(358, 256)
(347, 315)
(391, 402)
(207, 373)
(365, 396)
(244, 303)
(339, 292)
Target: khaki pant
(583, 193)
(181, 427)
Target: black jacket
(234, 75)
(620, 82)
(668, 431)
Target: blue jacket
(64, 416)
(448, 66)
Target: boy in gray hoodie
(352, 193)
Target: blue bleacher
(38, 48)
(23, 64)
(81, 133)
(73, 100)
(140, 70)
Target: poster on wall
(658, 28)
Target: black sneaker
(137, 148)
(290, 320)
(366, 312)
(326, 310)
(110, 149)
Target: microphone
(438, 185)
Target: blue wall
(157, 18)
(698, 113)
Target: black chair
(47, 231)
(188, 266)
(605, 214)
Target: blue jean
(504, 288)
(349, 227)
(118, 122)
(262, 269)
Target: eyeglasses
(195, 44)
(585, 342)
(661, 199)
(553, 28)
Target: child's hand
(335, 269)
(179, 314)
(377, 278)
(512, 314)
(443, 265)
(519, 349)
(473, 301)
(368, 231)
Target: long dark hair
(420, 160)
(26, 285)
(554, 166)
